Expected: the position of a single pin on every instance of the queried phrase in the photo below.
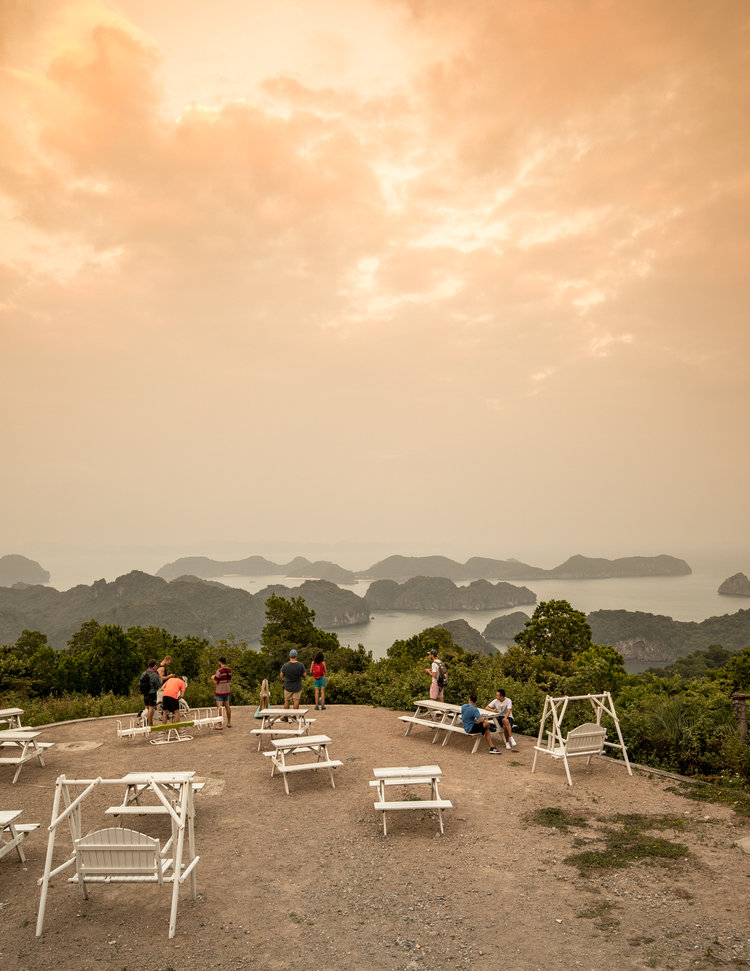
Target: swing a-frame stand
(586, 740)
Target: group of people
(159, 686)
(292, 674)
(471, 717)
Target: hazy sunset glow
(470, 277)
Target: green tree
(112, 662)
(556, 630)
(291, 624)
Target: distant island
(401, 568)
(654, 637)
(188, 605)
(15, 568)
(255, 566)
(438, 593)
(736, 586)
(481, 568)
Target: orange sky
(468, 277)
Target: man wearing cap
(436, 690)
(292, 674)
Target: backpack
(144, 682)
(442, 678)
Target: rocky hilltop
(255, 566)
(15, 568)
(577, 567)
(467, 637)
(654, 637)
(505, 628)
(736, 586)
(439, 593)
(187, 605)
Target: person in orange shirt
(173, 688)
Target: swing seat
(587, 739)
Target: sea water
(692, 597)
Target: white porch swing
(587, 740)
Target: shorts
(292, 696)
(476, 729)
(221, 698)
(436, 692)
(170, 704)
(149, 700)
(320, 682)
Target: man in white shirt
(504, 707)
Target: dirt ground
(308, 880)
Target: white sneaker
(512, 741)
(507, 744)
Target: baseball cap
(292, 653)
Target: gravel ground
(308, 880)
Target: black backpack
(442, 678)
(144, 682)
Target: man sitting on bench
(474, 724)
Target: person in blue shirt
(474, 724)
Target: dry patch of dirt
(308, 880)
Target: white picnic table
(441, 716)
(11, 717)
(317, 745)
(270, 717)
(169, 788)
(12, 833)
(404, 775)
(21, 746)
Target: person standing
(173, 689)
(221, 690)
(319, 672)
(162, 671)
(504, 707)
(435, 671)
(292, 674)
(149, 683)
(474, 724)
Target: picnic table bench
(12, 834)
(14, 739)
(402, 775)
(440, 716)
(11, 717)
(284, 747)
(269, 723)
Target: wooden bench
(440, 726)
(406, 776)
(302, 728)
(290, 746)
(16, 833)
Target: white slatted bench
(586, 740)
(407, 776)
(445, 727)
(302, 728)
(291, 746)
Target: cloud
(491, 223)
